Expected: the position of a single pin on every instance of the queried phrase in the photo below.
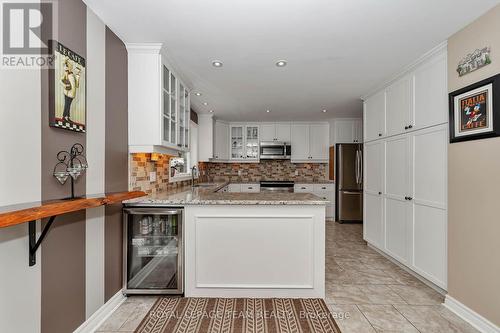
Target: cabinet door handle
(410, 198)
(406, 198)
(302, 188)
(379, 193)
(323, 188)
(410, 126)
(380, 134)
(406, 127)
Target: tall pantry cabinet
(405, 168)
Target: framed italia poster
(475, 111)
(67, 90)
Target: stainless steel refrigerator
(349, 182)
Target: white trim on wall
(20, 182)
(96, 121)
(103, 313)
(475, 319)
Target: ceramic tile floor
(368, 293)
(364, 291)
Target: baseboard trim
(96, 320)
(475, 319)
(408, 270)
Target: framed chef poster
(67, 91)
(475, 111)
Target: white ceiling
(337, 50)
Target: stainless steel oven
(153, 250)
(276, 186)
(275, 150)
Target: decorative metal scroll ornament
(71, 165)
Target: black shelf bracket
(35, 244)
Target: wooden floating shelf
(18, 214)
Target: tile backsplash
(265, 170)
(140, 167)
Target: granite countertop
(209, 196)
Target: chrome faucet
(194, 170)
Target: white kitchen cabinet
(399, 106)
(429, 200)
(300, 142)
(373, 220)
(405, 206)
(310, 142)
(416, 100)
(318, 188)
(397, 191)
(358, 131)
(242, 188)
(374, 173)
(374, 116)
(221, 143)
(324, 191)
(250, 188)
(283, 132)
(348, 131)
(397, 229)
(158, 102)
(303, 188)
(397, 164)
(234, 188)
(431, 92)
(275, 132)
(252, 142)
(318, 144)
(244, 142)
(268, 132)
(374, 179)
(183, 118)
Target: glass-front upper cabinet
(252, 141)
(187, 117)
(244, 142)
(166, 104)
(169, 107)
(237, 144)
(176, 111)
(158, 105)
(182, 120)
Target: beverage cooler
(153, 251)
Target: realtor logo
(27, 28)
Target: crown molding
(154, 48)
(407, 69)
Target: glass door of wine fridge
(152, 251)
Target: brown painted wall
(63, 251)
(473, 183)
(116, 145)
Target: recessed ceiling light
(205, 103)
(217, 63)
(211, 111)
(324, 111)
(268, 111)
(281, 63)
(198, 93)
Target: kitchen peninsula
(249, 244)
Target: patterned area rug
(234, 315)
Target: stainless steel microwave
(275, 150)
